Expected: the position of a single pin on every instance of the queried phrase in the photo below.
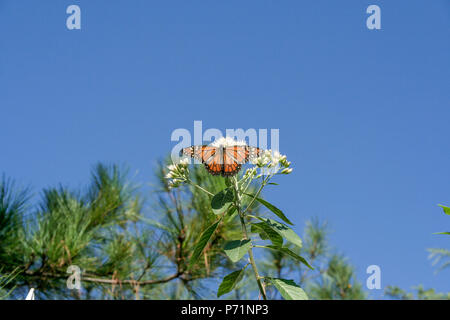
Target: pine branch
(92, 278)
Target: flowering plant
(235, 201)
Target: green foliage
(230, 281)
(288, 289)
(236, 249)
(272, 208)
(269, 164)
(168, 245)
(326, 280)
(13, 205)
(446, 209)
(420, 294)
(6, 284)
(286, 251)
(265, 232)
(203, 241)
(441, 257)
(283, 230)
(90, 229)
(222, 200)
(337, 282)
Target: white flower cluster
(273, 160)
(224, 142)
(178, 173)
(250, 173)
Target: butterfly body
(222, 160)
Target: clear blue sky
(363, 115)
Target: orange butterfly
(226, 161)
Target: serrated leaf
(236, 249)
(288, 289)
(272, 208)
(446, 209)
(201, 244)
(230, 281)
(267, 233)
(221, 201)
(283, 230)
(290, 253)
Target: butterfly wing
(218, 160)
(233, 159)
(210, 156)
(214, 163)
(201, 153)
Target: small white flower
(185, 161)
(286, 170)
(250, 173)
(272, 160)
(224, 142)
(177, 174)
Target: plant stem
(262, 290)
(263, 183)
(197, 186)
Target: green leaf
(442, 233)
(236, 249)
(272, 208)
(273, 183)
(230, 281)
(201, 244)
(222, 200)
(446, 209)
(266, 233)
(283, 230)
(228, 182)
(288, 289)
(231, 211)
(290, 253)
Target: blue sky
(363, 114)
